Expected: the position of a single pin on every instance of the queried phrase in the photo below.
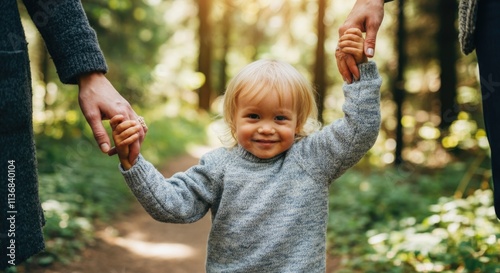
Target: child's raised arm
(125, 132)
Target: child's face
(267, 127)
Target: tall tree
(399, 90)
(130, 34)
(447, 48)
(225, 40)
(205, 53)
(319, 66)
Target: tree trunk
(319, 66)
(447, 46)
(226, 31)
(205, 57)
(399, 90)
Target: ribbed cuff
(368, 71)
(80, 64)
(140, 160)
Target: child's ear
(298, 128)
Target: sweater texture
(73, 46)
(467, 17)
(268, 215)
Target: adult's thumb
(370, 40)
(100, 135)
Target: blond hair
(259, 78)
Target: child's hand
(125, 132)
(352, 42)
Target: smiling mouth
(265, 141)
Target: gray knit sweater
(268, 215)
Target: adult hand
(366, 15)
(99, 101)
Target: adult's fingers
(370, 41)
(372, 26)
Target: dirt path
(137, 243)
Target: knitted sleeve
(328, 153)
(70, 40)
(183, 198)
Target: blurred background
(419, 201)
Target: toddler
(267, 193)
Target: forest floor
(135, 242)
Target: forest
(419, 201)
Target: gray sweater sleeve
(183, 198)
(70, 40)
(340, 145)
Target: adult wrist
(89, 76)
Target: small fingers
(134, 150)
(131, 114)
(115, 120)
(353, 68)
(343, 67)
(128, 140)
(351, 45)
(354, 31)
(126, 129)
(351, 38)
(124, 125)
(353, 51)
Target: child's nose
(266, 129)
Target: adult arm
(74, 48)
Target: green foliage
(171, 136)
(130, 34)
(359, 202)
(462, 234)
(382, 223)
(77, 187)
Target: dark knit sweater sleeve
(70, 40)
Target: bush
(382, 223)
(169, 137)
(360, 202)
(462, 235)
(84, 186)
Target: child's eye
(253, 116)
(280, 118)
